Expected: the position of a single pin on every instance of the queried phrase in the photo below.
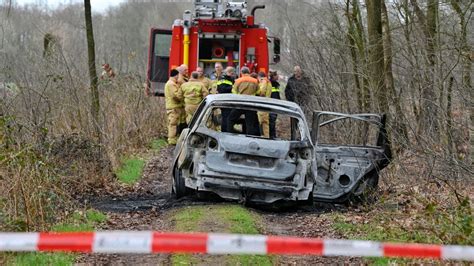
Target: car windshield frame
(259, 107)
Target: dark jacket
(296, 89)
(275, 89)
(224, 84)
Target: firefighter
(218, 71)
(193, 92)
(205, 80)
(216, 76)
(183, 74)
(224, 85)
(246, 85)
(174, 106)
(226, 81)
(275, 95)
(265, 90)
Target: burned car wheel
(179, 189)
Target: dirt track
(146, 206)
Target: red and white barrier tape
(156, 242)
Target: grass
(158, 144)
(58, 259)
(240, 220)
(224, 218)
(78, 222)
(379, 230)
(131, 170)
(187, 220)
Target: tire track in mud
(146, 206)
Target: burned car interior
(294, 166)
(287, 124)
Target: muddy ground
(148, 204)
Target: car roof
(254, 99)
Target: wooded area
(409, 59)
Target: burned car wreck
(295, 166)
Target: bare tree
(357, 46)
(463, 9)
(398, 120)
(428, 121)
(94, 91)
(376, 52)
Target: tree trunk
(94, 91)
(351, 32)
(398, 121)
(466, 55)
(429, 123)
(376, 53)
(449, 117)
(358, 54)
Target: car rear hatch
(252, 158)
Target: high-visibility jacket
(224, 84)
(206, 82)
(265, 88)
(182, 79)
(173, 96)
(193, 92)
(245, 85)
(275, 89)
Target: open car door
(158, 61)
(350, 152)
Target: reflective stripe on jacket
(245, 85)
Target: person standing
(193, 93)
(297, 87)
(265, 90)
(183, 74)
(224, 85)
(218, 71)
(246, 85)
(174, 106)
(275, 95)
(216, 76)
(202, 78)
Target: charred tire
(366, 190)
(178, 189)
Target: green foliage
(33, 191)
(454, 225)
(183, 259)
(57, 259)
(434, 225)
(81, 222)
(73, 227)
(95, 216)
(158, 144)
(78, 222)
(131, 170)
(374, 231)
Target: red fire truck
(217, 31)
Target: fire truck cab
(217, 31)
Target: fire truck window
(162, 45)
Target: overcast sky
(97, 5)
